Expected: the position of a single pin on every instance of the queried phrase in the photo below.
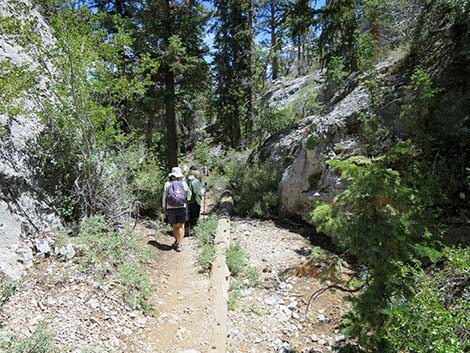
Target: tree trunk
(170, 117)
(274, 48)
(149, 133)
(249, 88)
(169, 93)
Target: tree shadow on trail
(160, 246)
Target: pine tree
(233, 63)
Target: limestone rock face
(307, 178)
(302, 150)
(285, 91)
(24, 212)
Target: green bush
(136, 284)
(204, 232)
(255, 187)
(422, 324)
(236, 259)
(147, 183)
(252, 276)
(8, 288)
(384, 222)
(234, 294)
(41, 341)
(110, 254)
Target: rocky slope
(303, 149)
(24, 213)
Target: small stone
(323, 319)
(314, 338)
(340, 338)
(293, 305)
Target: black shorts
(177, 215)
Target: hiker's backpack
(176, 194)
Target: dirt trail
(266, 318)
(182, 302)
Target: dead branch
(333, 286)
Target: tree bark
(170, 117)
(249, 88)
(274, 48)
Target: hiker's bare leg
(178, 231)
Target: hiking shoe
(178, 247)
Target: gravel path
(271, 317)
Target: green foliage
(254, 186)
(234, 294)
(435, 317)
(419, 101)
(423, 324)
(381, 219)
(253, 277)
(201, 153)
(137, 287)
(312, 141)
(41, 341)
(109, 254)
(236, 259)
(316, 252)
(336, 70)
(77, 94)
(204, 232)
(8, 288)
(148, 180)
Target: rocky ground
(86, 315)
(272, 317)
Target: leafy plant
(205, 233)
(41, 341)
(236, 258)
(234, 294)
(8, 288)
(109, 254)
(252, 276)
(136, 284)
(255, 187)
(380, 219)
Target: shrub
(204, 232)
(41, 341)
(8, 288)
(236, 258)
(148, 180)
(382, 220)
(255, 187)
(136, 284)
(234, 294)
(115, 254)
(253, 277)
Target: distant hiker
(176, 194)
(194, 182)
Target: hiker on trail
(194, 182)
(176, 194)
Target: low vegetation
(40, 341)
(243, 276)
(204, 232)
(118, 255)
(8, 288)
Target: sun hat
(176, 172)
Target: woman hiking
(176, 194)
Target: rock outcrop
(302, 150)
(24, 212)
